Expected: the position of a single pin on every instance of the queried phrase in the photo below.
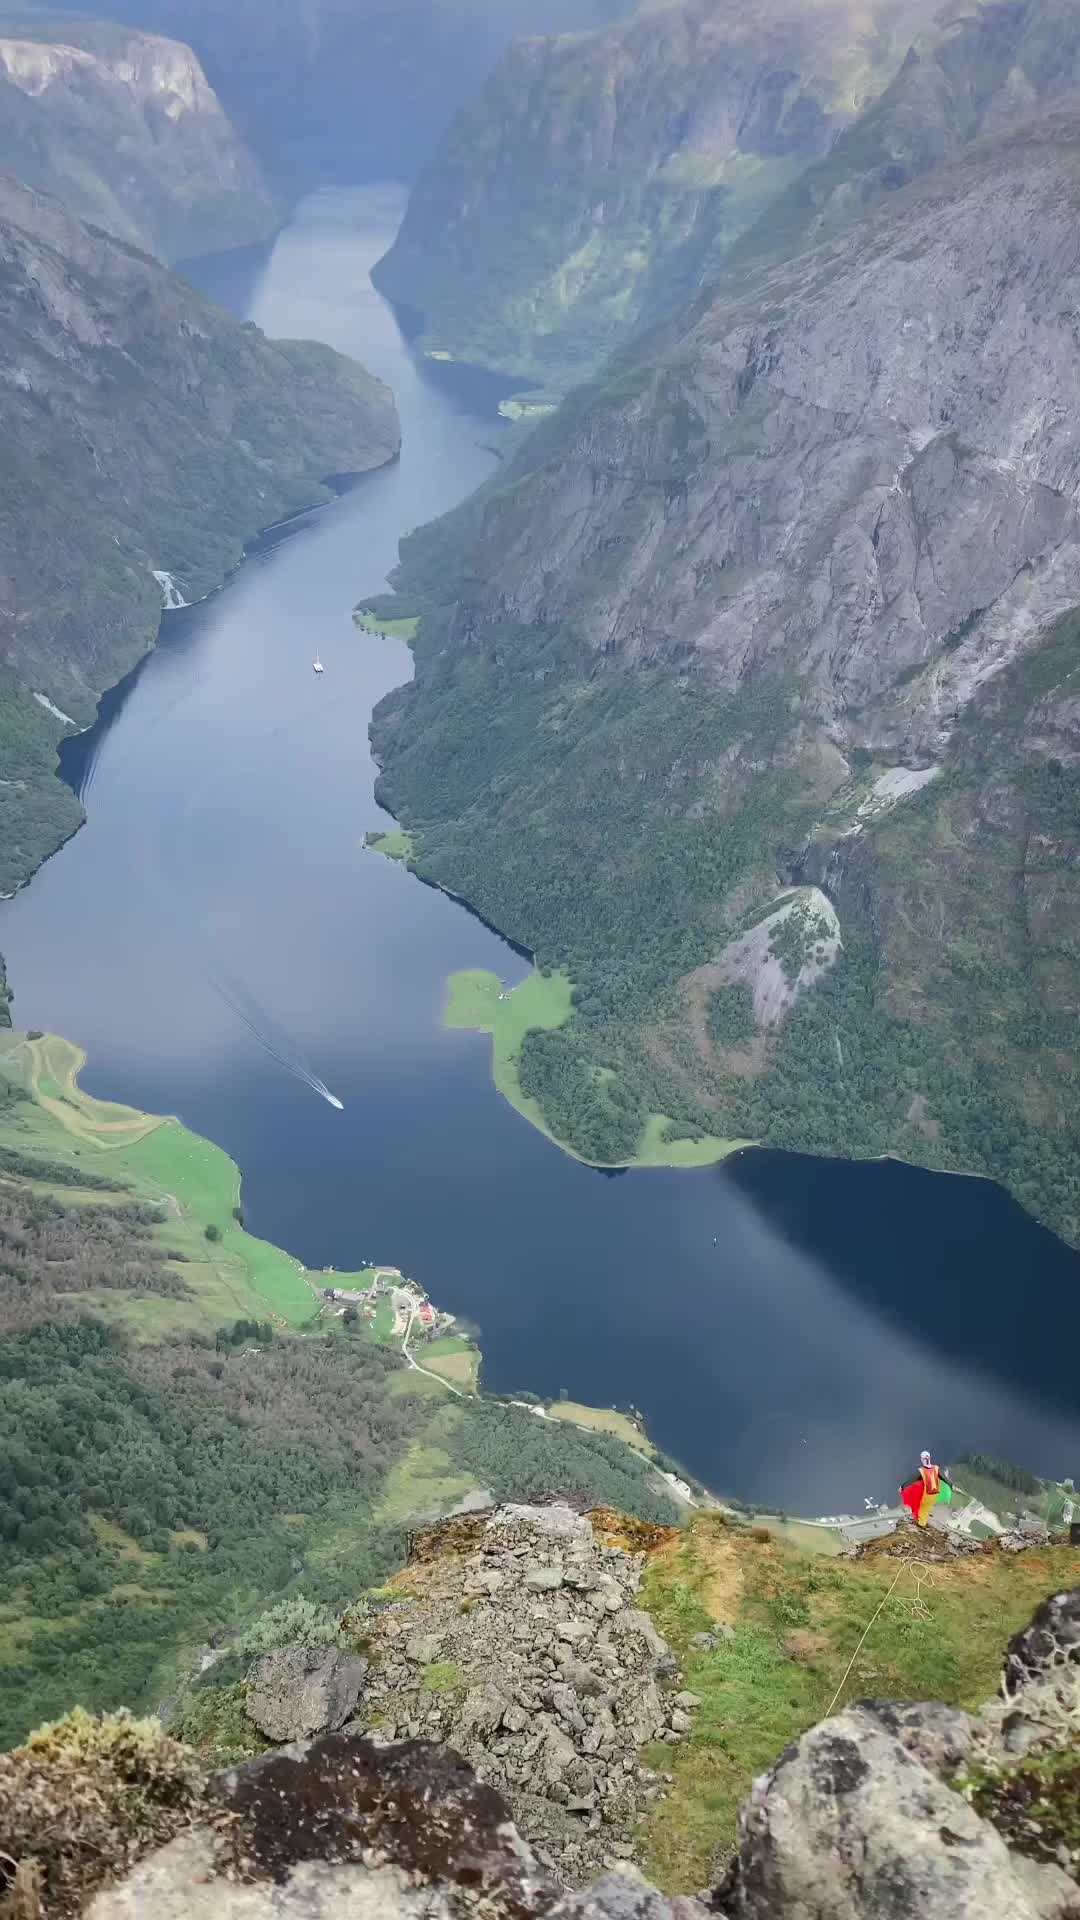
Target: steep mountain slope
(772, 609)
(124, 128)
(973, 72)
(597, 178)
(333, 90)
(142, 431)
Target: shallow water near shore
(794, 1330)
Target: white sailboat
(317, 664)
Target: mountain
(972, 72)
(124, 128)
(775, 635)
(144, 432)
(351, 90)
(598, 178)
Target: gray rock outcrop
(297, 1691)
(524, 1650)
(887, 1811)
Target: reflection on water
(794, 1329)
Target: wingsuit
(922, 1494)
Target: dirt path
(426, 1371)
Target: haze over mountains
(352, 89)
(124, 128)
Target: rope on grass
(859, 1648)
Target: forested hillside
(789, 604)
(143, 431)
(185, 1435)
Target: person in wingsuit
(922, 1494)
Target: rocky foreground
(544, 1676)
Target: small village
(412, 1311)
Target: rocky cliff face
(597, 178)
(125, 129)
(769, 579)
(971, 73)
(144, 432)
(917, 1811)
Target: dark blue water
(795, 1330)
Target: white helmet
(925, 1458)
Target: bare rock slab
(298, 1691)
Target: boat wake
(260, 1024)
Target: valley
(236, 936)
(539, 851)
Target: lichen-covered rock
(297, 1691)
(342, 1828)
(915, 1811)
(850, 1825)
(1049, 1648)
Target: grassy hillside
(792, 1653)
(67, 1149)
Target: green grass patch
(480, 1001)
(395, 844)
(390, 629)
(658, 1150)
(153, 1162)
(442, 1676)
(798, 1618)
(426, 1481)
(453, 1359)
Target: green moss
(1035, 1805)
(215, 1722)
(797, 1619)
(82, 1796)
(442, 1676)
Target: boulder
(1048, 1647)
(851, 1824)
(296, 1691)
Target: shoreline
(338, 485)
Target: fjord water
(794, 1330)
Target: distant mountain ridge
(143, 431)
(343, 90)
(596, 180)
(125, 129)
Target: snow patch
(44, 701)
